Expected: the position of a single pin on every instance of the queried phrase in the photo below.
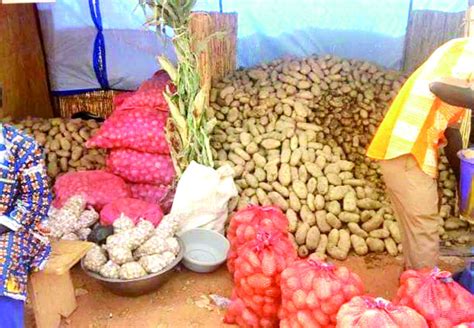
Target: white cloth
(202, 197)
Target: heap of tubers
(296, 132)
(64, 143)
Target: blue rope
(220, 6)
(98, 54)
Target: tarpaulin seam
(98, 53)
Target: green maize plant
(188, 129)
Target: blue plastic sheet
(100, 44)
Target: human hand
(453, 81)
(43, 229)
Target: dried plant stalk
(188, 129)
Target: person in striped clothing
(408, 140)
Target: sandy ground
(184, 302)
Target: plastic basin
(465, 184)
(205, 250)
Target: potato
(319, 202)
(312, 238)
(354, 183)
(301, 233)
(280, 189)
(242, 154)
(375, 222)
(369, 204)
(356, 230)
(367, 215)
(345, 165)
(359, 245)
(278, 200)
(262, 197)
(314, 169)
(391, 246)
(375, 245)
(337, 193)
(251, 180)
(333, 207)
(323, 185)
(292, 220)
(259, 160)
(395, 232)
(310, 202)
(270, 144)
(311, 185)
(350, 202)
(333, 221)
(294, 202)
(284, 174)
(300, 190)
(303, 251)
(307, 215)
(321, 221)
(379, 233)
(295, 157)
(348, 217)
(334, 179)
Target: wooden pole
(215, 42)
(469, 25)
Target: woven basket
(99, 103)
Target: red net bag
(256, 297)
(98, 187)
(138, 167)
(244, 224)
(159, 194)
(313, 291)
(141, 129)
(135, 209)
(436, 296)
(120, 98)
(369, 312)
(149, 94)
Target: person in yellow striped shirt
(407, 144)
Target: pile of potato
(296, 132)
(64, 143)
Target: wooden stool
(51, 291)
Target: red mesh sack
(138, 167)
(141, 129)
(436, 296)
(120, 98)
(256, 297)
(149, 94)
(98, 187)
(244, 224)
(135, 209)
(369, 312)
(313, 291)
(159, 194)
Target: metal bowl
(139, 286)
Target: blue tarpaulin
(103, 44)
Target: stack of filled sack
(135, 136)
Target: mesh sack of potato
(313, 291)
(141, 167)
(122, 223)
(245, 223)
(95, 258)
(98, 187)
(157, 262)
(133, 209)
(110, 270)
(148, 95)
(141, 129)
(149, 192)
(369, 312)
(120, 254)
(65, 220)
(256, 296)
(436, 296)
(131, 270)
(168, 226)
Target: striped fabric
(416, 120)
